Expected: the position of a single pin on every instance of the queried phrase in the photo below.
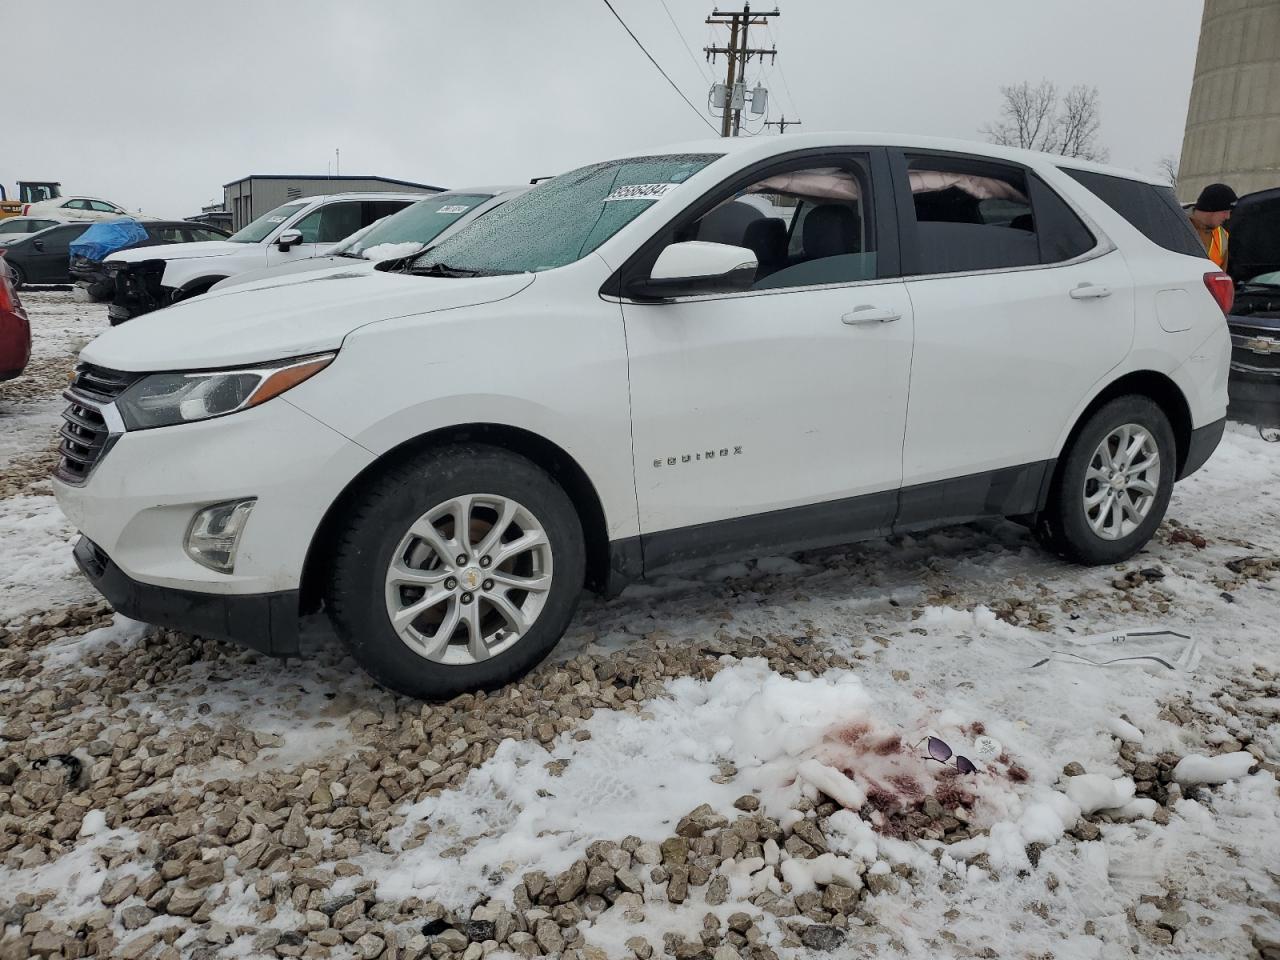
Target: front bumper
(267, 622)
(137, 503)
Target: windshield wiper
(348, 253)
(444, 270)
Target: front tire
(457, 570)
(1113, 485)
(17, 278)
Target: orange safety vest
(1218, 247)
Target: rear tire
(17, 279)
(432, 614)
(1113, 484)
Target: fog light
(214, 534)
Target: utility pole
(737, 55)
(782, 124)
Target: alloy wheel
(469, 579)
(1121, 482)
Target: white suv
(728, 347)
(147, 278)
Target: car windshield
(262, 228)
(561, 220)
(1266, 279)
(412, 228)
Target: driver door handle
(1088, 291)
(867, 314)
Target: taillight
(9, 302)
(1221, 289)
(26, 208)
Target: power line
(698, 64)
(775, 35)
(658, 67)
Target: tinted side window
(1062, 234)
(970, 215)
(1151, 209)
(377, 209)
(101, 207)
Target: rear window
(1151, 209)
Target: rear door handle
(869, 314)
(1089, 291)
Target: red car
(15, 331)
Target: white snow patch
(1124, 730)
(1194, 770)
(1092, 792)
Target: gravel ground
(685, 777)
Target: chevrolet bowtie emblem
(1264, 345)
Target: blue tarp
(107, 237)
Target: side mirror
(697, 267)
(288, 239)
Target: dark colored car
(15, 332)
(14, 225)
(40, 257)
(91, 273)
(1254, 264)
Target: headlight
(164, 399)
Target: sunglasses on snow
(941, 752)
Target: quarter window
(973, 214)
(1150, 208)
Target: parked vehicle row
(398, 236)
(49, 255)
(147, 280)
(722, 348)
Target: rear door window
(974, 214)
(375, 210)
(1151, 208)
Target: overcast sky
(155, 103)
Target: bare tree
(1036, 118)
(1167, 167)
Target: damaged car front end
(137, 289)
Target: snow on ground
(971, 634)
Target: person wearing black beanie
(1210, 212)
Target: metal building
(254, 195)
(1233, 121)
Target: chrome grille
(85, 435)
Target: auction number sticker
(276, 219)
(454, 208)
(640, 191)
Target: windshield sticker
(276, 219)
(454, 208)
(640, 191)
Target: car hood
(179, 251)
(1253, 247)
(309, 265)
(293, 317)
